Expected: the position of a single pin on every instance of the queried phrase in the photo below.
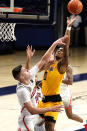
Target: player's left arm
(69, 79)
(62, 66)
(29, 53)
(69, 26)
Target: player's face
(24, 74)
(59, 53)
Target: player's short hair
(16, 71)
(58, 47)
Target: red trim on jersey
(34, 91)
(25, 124)
(37, 97)
(69, 107)
(22, 109)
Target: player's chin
(58, 57)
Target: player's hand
(71, 21)
(29, 52)
(64, 39)
(61, 41)
(58, 108)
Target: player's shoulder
(22, 92)
(20, 87)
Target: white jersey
(25, 94)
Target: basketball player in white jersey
(26, 93)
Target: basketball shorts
(49, 116)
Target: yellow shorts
(52, 115)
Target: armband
(68, 28)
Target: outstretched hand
(29, 52)
(71, 21)
(57, 108)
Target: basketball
(75, 7)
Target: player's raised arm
(29, 53)
(68, 28)
(64, 63)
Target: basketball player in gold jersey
(52, 80)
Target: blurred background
(39, 23)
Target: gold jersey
(52, 80)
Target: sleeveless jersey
(52, 80)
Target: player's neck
(25, 82)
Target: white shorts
(66, 97)
(27, 123)
(40, 128)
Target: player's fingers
(33, 51)
(67, 18)
(28, 47)
(60, 111)
(61, 106)
(31, 47)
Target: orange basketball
(75, 7)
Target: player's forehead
(60, 49)
(23, 69)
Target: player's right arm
(24, 97)
(34, 110)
